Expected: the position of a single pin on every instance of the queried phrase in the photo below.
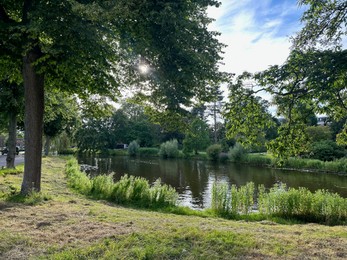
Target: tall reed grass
(128, 190)
(279, 201)
(320, 206)
(230, 201)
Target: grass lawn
(60, 224)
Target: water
(193, 179)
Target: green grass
(178, 243)
(19, 169)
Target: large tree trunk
(34, 106)
(12, 138)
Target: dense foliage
(311, 81)
(213, 152)
(95, 47)
(169, 149)
(197, 138)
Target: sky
(256, 31)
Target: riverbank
(64, 225)
(254, 159)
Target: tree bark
(12, 137)
(34, 107)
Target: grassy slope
(70, 226)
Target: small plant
(169, 149)
(133, 148)
(213, 152)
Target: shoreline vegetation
(299, 205)
(338, 166)
(61, 223)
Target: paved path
(19, 159)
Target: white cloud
(255, 33)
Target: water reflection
(193, 179)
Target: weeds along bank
(338, 166)
(236, 154)
(129, 190)
(246, 202)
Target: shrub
(169, 149)
(133, 148)
(237, 153)
(213, 152)
(326, 150)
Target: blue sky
(256, 31)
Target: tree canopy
(311, 81)
(94, 47)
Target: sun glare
(143, 68)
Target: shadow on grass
(32, 199)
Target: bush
(237, 153)
(169, 149)
(326, 150)
(213, 152)
(133, 148)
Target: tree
(11, 105)
(91, 47)
(246, 114)
(325, 22)
(215, 109)
(197, 138)
(61, 113)
(309, 82)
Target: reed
(129, 190)
(231, 201)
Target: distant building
(322, 120)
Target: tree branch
(4, 16)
